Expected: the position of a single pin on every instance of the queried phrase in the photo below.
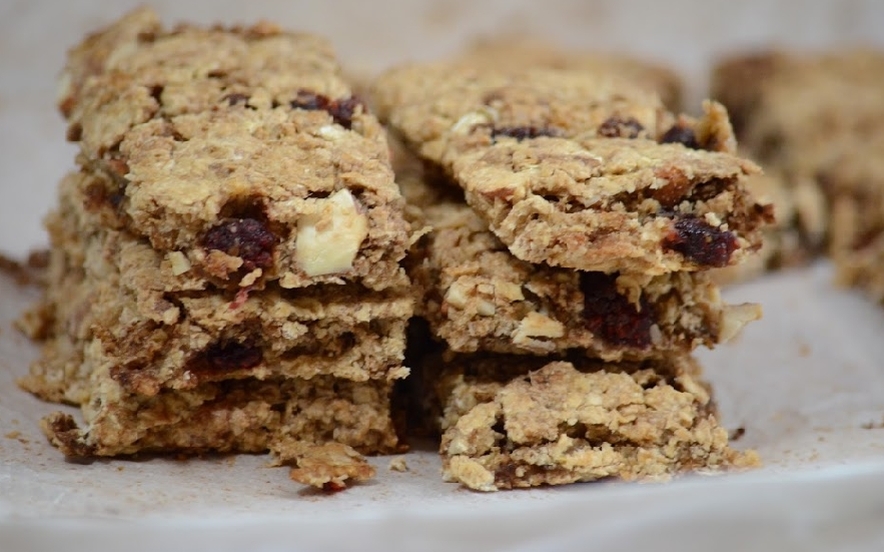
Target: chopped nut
(251, 278)
(468, 122)
(485, 308)
(509, 291)
(179, 262)
(456, 295)
(537, 325)
(398, 464)
(735, 317)
(332, 132)
(329, 238)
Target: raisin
(680, 135)
(342, 111)
(228, 357)
(309, 101)
(611, 316)
(523, 133)
(618, 127)
(246, 238)
(74, 132)
(236, 98)
(701, 242)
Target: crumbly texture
(581, 170)
(225, 268)
(330, 466)
(609, 204)
(232, 416)
(442, 110)
(113, 300)
(559, 425)
(243, 149)
(518, 51)
(477, 296)
(816, 121)
(796, 236)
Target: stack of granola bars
(572, 222)
(225, 265)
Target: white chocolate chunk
(329, 238)
(536, 325)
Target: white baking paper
(806, 383)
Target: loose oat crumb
(398, 464)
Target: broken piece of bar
(200, 140)
(605, 204)
(224, 272)
(817, 122)
(477, 296)
(245, 415)
(579, 170)
(509, 424)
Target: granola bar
(507, 424)
(441, 110)
(817, 122)
(125, 304)
(582, 171)
(477, 296)
(189, 142)
(233, 416)
(519, 51)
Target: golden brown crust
(581, 170)
(477, 296)
(240, 416)
(194, 134)
(559, 425)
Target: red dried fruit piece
(612, 316)
(229, 357)
(236, 98)
(342, 111)
(246, 238)
(680, 135)
(618, 127)
(310, 101)
(701, 242)
(523, 133)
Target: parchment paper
(806, 383)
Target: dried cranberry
(228, 357)
(342, 111)
(310, 101)
(701, 242)
(680, 135)
(237, 98)
(618, 127)
(246, 238)
(612, 316)
(523, 133)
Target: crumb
(737, 433)
(398, 464)
(874, 425)
(25, 273)
(17, 436)
(804, 350)
(120, 468)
